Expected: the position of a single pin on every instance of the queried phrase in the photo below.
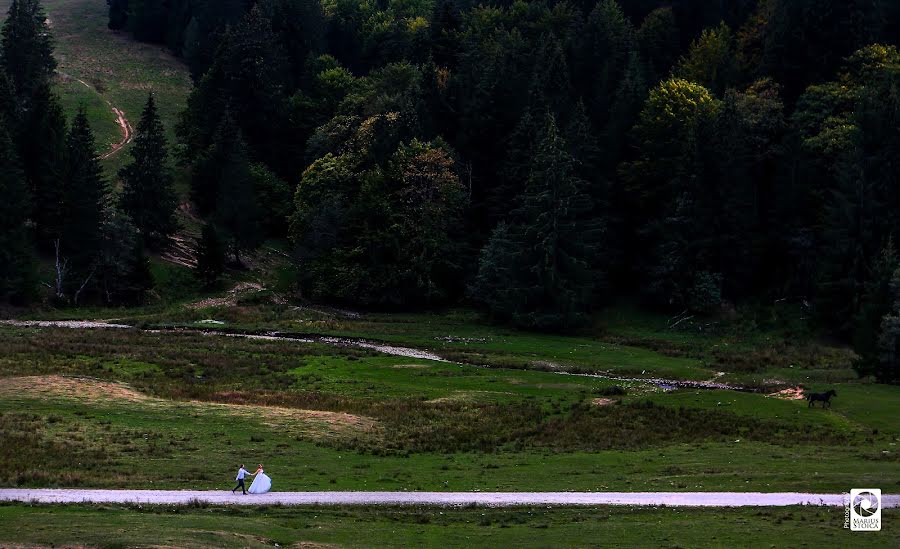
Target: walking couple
(261, 484)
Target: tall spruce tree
(711, 61)
(210, 257)
(549, 280)
(43, 153)
(27, 50)
(658, 42)
(877, 302)
(16, 272)
(147, 193)
(608, 43)
(887, 367)
(118, 14)
(299, 27)
(147, 19)
(123, 270)
(85, 196)
(224, 187)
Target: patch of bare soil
(465, 396)
(229, 538)
(127, 131)
(230, 299)
(603, 401)
(791, 393)
(312, 423)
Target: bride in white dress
(261, 482)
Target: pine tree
(7, 98)
(123, 269)
(500, 266)
(147, 193)
(118, 14)
(299, 28)
(84, 198)
(147, 19)
(206, 29)
(711, 60)
(877, 301)
(27, 50)
(16, 271)
(446, 22)
(43, 151)
(887, 368)
(607, 46)
(658, 42)
(210, 257)
(550, 282)
(248, 78)
(227, 191)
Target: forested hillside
(537, 159)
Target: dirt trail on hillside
(121, 119)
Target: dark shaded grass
(645, 424)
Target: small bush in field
(614, 390)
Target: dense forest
(536, 159)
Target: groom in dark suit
(240, 480)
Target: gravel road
(487, 499)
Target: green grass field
(116, 526)
(127, 403)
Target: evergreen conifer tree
(210, 257)
(224, 187)
(123, 269)
(147, 19)
(118, 14)
(887, 368)
(42, 151)
(16, 267)
(84, 199)
(147, 193)
(27, 50)
(543, 258)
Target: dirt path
(485, 499)
(121, 120)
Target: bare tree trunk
(83, 284)
(61, 268)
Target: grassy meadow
(126, 404)
(120, 526)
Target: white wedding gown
(261, 484)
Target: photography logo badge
(865, 510)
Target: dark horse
(824, 397)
